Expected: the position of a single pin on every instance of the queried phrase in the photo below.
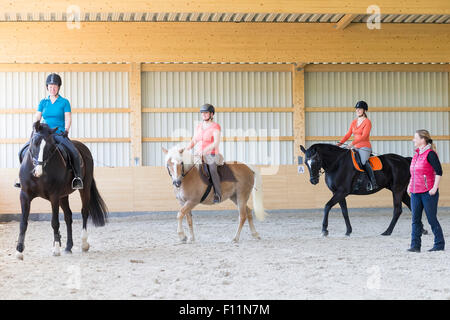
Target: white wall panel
(222, 89)
(380, 89)
(24, 90)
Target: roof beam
(25, 42)
(345, 21)
(225, 6)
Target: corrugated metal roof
(221, 17)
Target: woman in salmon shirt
(207, 134)
(360, 128)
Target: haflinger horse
(45, 173)
(343, 179)
(190, 188)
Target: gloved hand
(65, 134)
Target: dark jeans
(420, 201)
(69, 146)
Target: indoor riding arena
(280, 75)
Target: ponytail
(424, 134)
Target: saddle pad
(374, 162)
(224, 171)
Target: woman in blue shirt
(55, 111)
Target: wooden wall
(150, 189)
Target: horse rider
(207, 135)
(360, 128)
(55, 111)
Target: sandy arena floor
(140, 258)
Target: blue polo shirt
(53, 113)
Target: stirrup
(17, 185)
(217, 198)
(77, 183)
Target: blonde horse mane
(186, 157)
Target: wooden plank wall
(150, 189)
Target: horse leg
(64, 204)
(407, 200)
(55, 226)
(343, 204)
(191, 239)
(251, 225)
(335, 199)
(398, 196)
(187, 207)
(25, 202)
(85, 199)
(242, 217)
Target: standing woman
(207, 135)
(360, 128)
(55, 111)
(426, 172)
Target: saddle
(223, 170)
(63, 153)
(374, 162)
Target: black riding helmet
(53, 78)
(362, 105)
(207, 108)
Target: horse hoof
(324, 234)
(235, 240)
(85, 247)
(190, 241)
(183, 240)
(56, 253)
(19, 255)
(348, 234)
(386, 233)
(256, 236)
(68, 251)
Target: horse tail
(257, 195)
(97, 207)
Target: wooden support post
(298, 99)
(134, 89)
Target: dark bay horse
(342, 179)
(44, 173)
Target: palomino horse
(44, 173)
(190, 188)
(342, 179)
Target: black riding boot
(77, 182)
(373, 182)
(216, 182)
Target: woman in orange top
(360, 128)
(207, 135)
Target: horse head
(178, 163)
(41, 140)
(313, 162)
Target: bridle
(36, 162)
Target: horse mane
(185, 157)
(327, 147)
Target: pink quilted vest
(422, 173)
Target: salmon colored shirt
(205, 137)
(361, 133)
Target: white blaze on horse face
(175, 165)
(38, 170)
(309, 163)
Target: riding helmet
(362, 105)
(53, 78)
(207, 108)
